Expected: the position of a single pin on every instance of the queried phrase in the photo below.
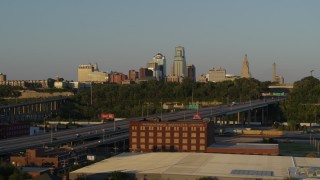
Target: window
(167, 141)
(134, 140)
(151, 134)
(202, 135)
(143, 146)
(185, 141)
(176, 134)
(142, 140)
(202, 141)
(193, 141)
(184, 134)
(184, 147)
(159, 134)
(142, 133)
(159, 140)
(150, 140)
(134, 133)
(193, 135)
(176, 141)
(193, 148)
(202, 148)
(168, 134)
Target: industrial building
(173, 136)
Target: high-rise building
(245, 73)
(3, 77)
(91, 73)
(217, 75)
(179, 62)
(145, 73)
(162, 67)
(133, 75)
(117, 78)
(191, 71)
(275, 78)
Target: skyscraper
(179, 62)
(191, 69)
(162, 67)
(158, 66)
(245, 73)
(274, 75)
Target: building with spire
(274, 74)
(275, 78)
(245, 73)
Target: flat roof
(199, 165)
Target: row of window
(169, 128)
(175, 141)
(168, 147)
(168, 134)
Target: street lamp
(44, 124)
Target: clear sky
(45, 38)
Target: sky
(42, 39)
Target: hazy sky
(45, 38)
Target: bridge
(36, 110)
(118, 131)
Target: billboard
(107, 116)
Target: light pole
(161, 110)
(91, 92)
(44, 124)
(51, 133)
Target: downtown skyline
(43, 39)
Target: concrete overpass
(109, 133)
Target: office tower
(274, 75)
(162, 67)
(191, 71)
(132, 75)
(245, 73)
(179, 62)
(117, 78)
(217, 75)
(3, 77)
(90, 73)
(145, 73)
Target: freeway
(109, 129)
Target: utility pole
(311, 72)
(91, 92)
(161, 110)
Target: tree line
(147, 97)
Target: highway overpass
(108, 133)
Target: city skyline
(44, 39)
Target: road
(108, 129)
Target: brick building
(58, 159)
(173, 136)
